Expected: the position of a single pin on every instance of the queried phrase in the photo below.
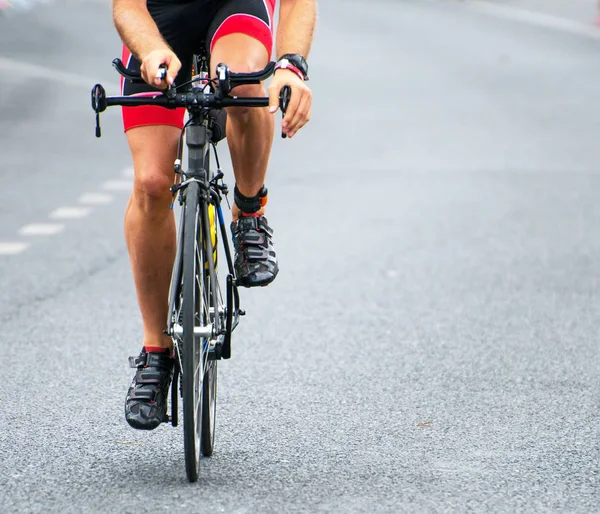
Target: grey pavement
(583, 11)
(431, 343)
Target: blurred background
(431, 342)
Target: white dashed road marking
(12, 248)
(118, 185)
(88, 200)
(69, 213)
(41, 229)
(95, 198)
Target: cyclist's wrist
(291, 71)
(295, 62)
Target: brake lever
(284, 101)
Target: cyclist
(240, 34)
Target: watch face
(298, 61)
(301, 63)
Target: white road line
(24, 69)
(118, 185)
(95, 198)
(41, 229)
(69, 213)
(12, 248)
(534, 18)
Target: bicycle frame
(198, 142)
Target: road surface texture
(431, 343)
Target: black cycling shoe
(146, 401)
(255, 260)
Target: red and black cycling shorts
(189, 26)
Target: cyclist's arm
(297, 20)
(141, 36)
(136, 27)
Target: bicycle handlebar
(194, 97)
(233, 79)
(174, 100)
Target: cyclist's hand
(154, 60)
(298, 111)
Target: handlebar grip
(128, 74)
(256, 77)
(134, 76)
(284, 101)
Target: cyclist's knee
(152, 185)
(254, 57)
(153, 149)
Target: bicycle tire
(209, 408)
(192, 350)
(209, 384)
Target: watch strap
(284, 64)
(298, 61)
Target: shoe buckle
(134, 362)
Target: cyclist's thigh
(241, 35)
(181, 24)
(153, 149)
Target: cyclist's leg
(150, 225)
(152, 134)
(151, 240)
(241, 37)
(249, 130)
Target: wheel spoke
(197, 372)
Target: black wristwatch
(295, 60)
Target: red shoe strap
(155, 349)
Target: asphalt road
(431, 343)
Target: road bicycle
(202, 313)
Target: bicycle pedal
(241, 312)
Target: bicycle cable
(197, 79)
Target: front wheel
(192, 310)
(213, 299)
